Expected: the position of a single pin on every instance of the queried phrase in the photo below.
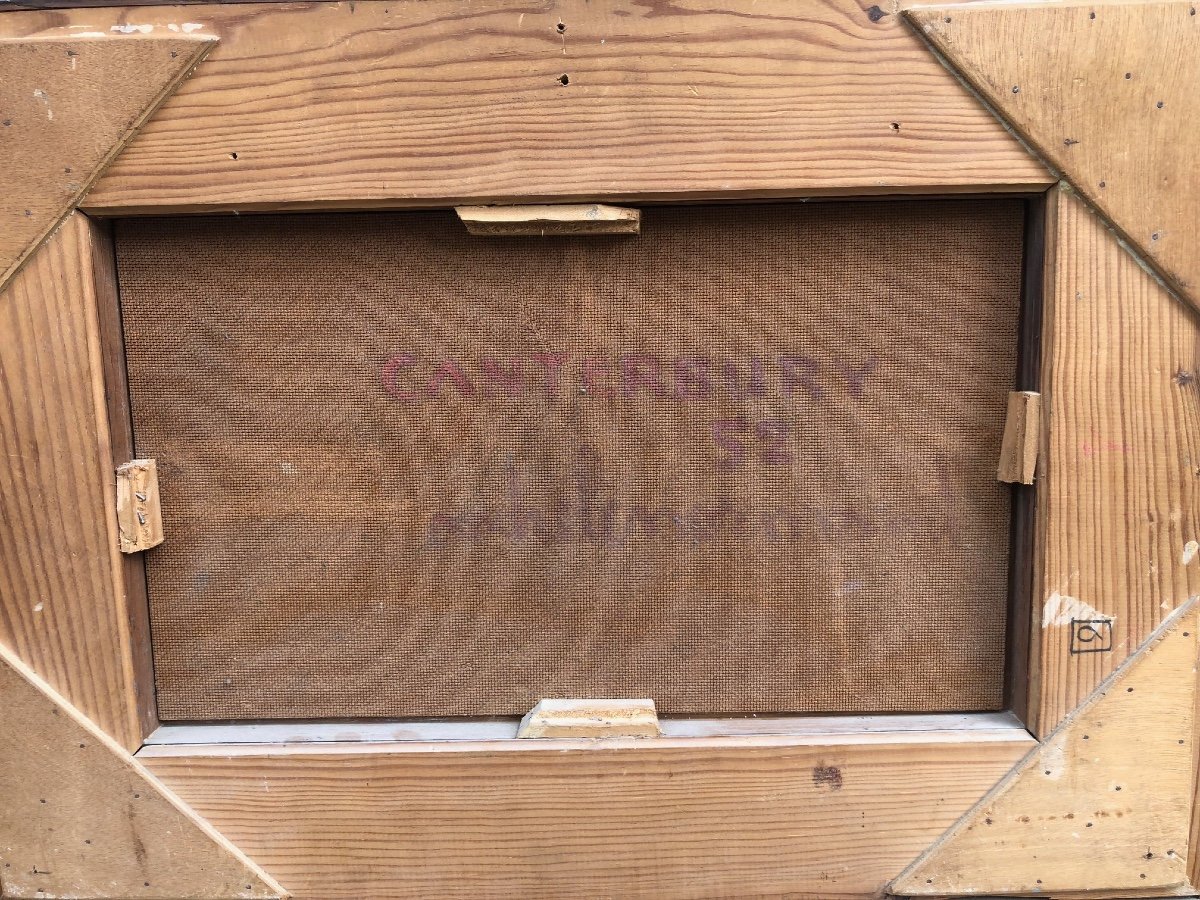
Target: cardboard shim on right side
(1102, 804)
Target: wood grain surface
(1110, 101)
(445, 102)
(1119, 515)
(1102, 804)
(62, 581)
(81, 818)
(806, 818)
(68, 106)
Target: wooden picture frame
(378, 104)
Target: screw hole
(1128, 75)
(561, 28)
(563, 79)
(1016, 89)
(233, 155)
(1159, 104)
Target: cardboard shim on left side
(81, 818)
(1101, 805)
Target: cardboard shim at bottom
(1102, 804)
(81, 818)
(572, 718)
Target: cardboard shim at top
(1102, 804)
(67, 107)
(1107, 94)
(549, 220)
(79, 817)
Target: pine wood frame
(828, 808)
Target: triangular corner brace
(69, 106)
(1106, 94)
(82, 818)
(1102, 804)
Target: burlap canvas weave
(743, 462)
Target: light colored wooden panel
(807, 817)
(62, 585)
(1102, 804)
(386, 103)
(81, 818)
(1110, 100)
(1119, 510)
(68, 107)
